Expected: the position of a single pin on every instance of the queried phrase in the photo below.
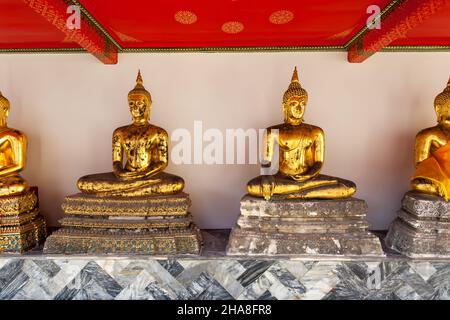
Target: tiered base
(422, 228)
(72, 241)
(21, 226)
(303, 227)
(156, 225)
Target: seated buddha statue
(13, 151)
(301, 155)
(432, 152)
(145, 149)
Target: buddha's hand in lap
(301, 178)
(133, 175)
(267, 186)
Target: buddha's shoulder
(429, 132)
(157, 130)
(311, 127)
(13, 133)
(121, 129)
(276, 127)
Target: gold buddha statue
(432, 152)
(135, 209)
(301, 156)
(21, 225)
(145, 148)
(308, 213)
(13, 152)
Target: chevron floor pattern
(214, 276)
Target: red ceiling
(21, 27)
(153, 23)
(435, 31)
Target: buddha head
(4, 109)
(140, 102)
(294, 101)
(442, 107)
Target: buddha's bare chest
(297, 141)
(138, 141)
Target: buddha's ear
(438, 109)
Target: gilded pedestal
(126, 225)
(422, 227)
(284, 226)
(21, 226)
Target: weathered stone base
(21, 226)
(70, 241)
(422, 228)
(303, 227)
(153, 225)
(243, 242)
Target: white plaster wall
(68, 105)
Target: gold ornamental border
(19, 230)
(391, 6)
(141, 200)
(92, 20)
(186, 244)
(19, 219)
(125, 224)
(396, 48)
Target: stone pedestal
(303, 227)
(21, 226)
(422, 228)
(126, 225)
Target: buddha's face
(139, 107)
(443, 114)
(294, 109)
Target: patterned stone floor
(35, 276)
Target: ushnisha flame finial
(139, 87)
(139, 80)
(295, 75)
(295, 89)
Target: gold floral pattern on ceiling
(185, 17)
(232, 27)
(281, 17)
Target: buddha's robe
(318, 187)
(107, 184)
(12, 183)
(436, 168)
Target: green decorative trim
(426, 48)
(236, 49)
(43, 50)
(383, 14)
(96, 23)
